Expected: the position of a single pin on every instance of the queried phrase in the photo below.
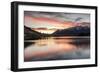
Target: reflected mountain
(26, 44)
(61, 48)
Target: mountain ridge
(73, 31)
(30, 34)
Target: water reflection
(57, 48)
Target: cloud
(60, 16)
(57, 20)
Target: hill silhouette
(30, 34)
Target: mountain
(73, 31)
(30, 34)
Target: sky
(49, 22)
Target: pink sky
(55, 20)
(47, 23)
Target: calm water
(57, 48)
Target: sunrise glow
(49, 22)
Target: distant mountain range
(30, 34)
(73, 31)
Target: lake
(57, 48)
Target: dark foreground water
(57, 48)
